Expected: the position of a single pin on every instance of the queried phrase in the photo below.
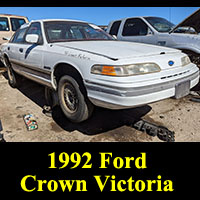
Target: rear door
(15, 46)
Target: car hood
(116, 50)
(192, 20)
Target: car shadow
(102, 120)
(32, 90)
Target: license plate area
(182, 89)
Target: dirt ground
(181, 116)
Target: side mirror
(32, 38)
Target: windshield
(61, 31)
(160, 24)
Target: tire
(13, 78)
(74, 104)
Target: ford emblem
(171, 63)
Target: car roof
(9, 15)
(141, 17)
(49, 20)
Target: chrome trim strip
(37, 79)
(38, 75)
(29, 66)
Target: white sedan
(87, 67)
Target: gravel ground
(181, 116)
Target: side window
(35, 28)
(18, 37)
(16, 23)
(115, 28)
(135, 27)
(4, 24)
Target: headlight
(125, 70)
(185, 60)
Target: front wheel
(75, 105)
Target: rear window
(115, 28)
(4, 24)
(16, 23)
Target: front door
(32, 54)
(136, 30)
(32, 57)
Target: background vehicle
(8, 25)
(85, 66)
(159, 31)
(103, 27)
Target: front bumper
(112, 97)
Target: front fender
(53, 81)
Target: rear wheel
(75, 105)
(13, 78)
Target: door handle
(21, 50)
(8, 48)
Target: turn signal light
(108, 70)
